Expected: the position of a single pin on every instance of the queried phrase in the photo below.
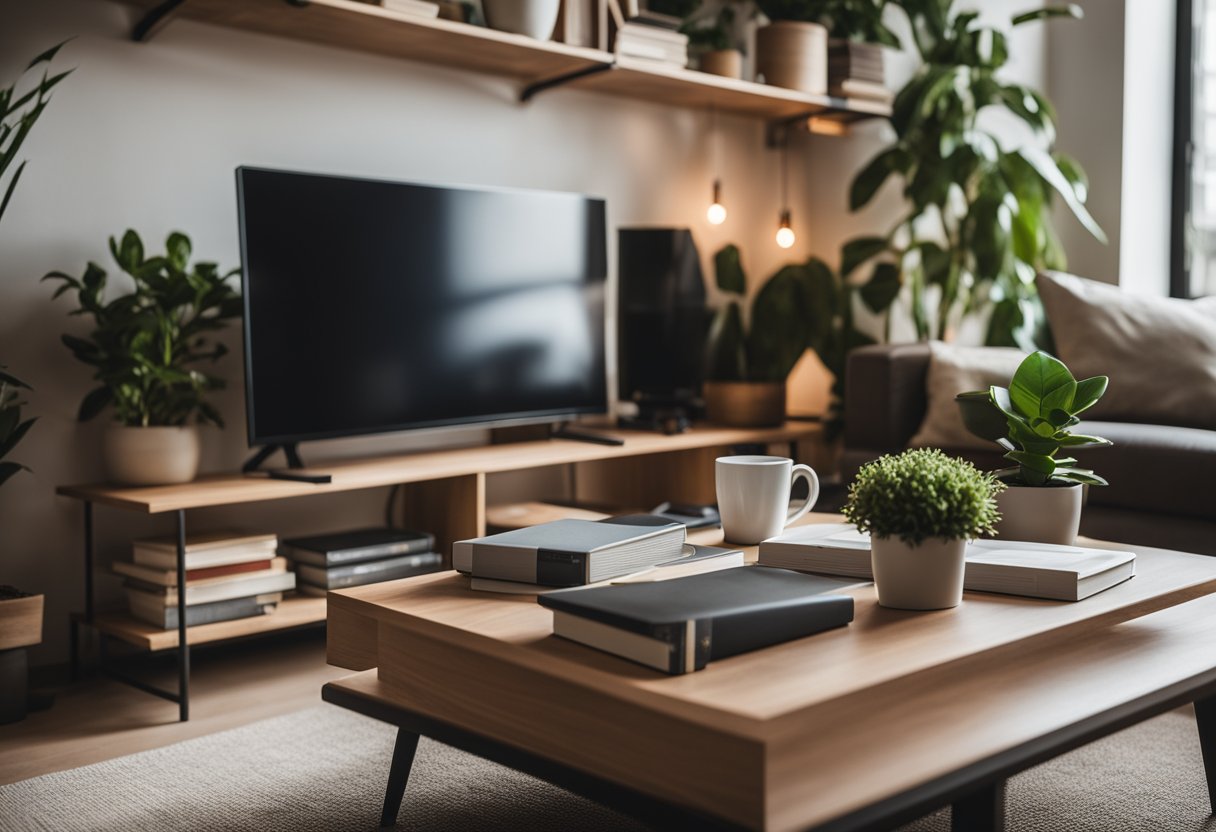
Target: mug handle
(812, 481)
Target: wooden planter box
(20, 622)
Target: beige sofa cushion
(1160, 353)
(952, 370)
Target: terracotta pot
(152, 455)
(794, 55)
(745, 404)
(725, 62)
(21, 621)
(1043, 514)
(534, 18)
(924, 577)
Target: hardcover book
(681, 625)
(254, 583)
(355, 546)
(206, 550)
(570, 552)
(164, 617)
(1011, 567)
(369, 572)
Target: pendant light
(785, 233)
(717, 211)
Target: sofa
(1162, 478)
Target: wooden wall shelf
(539, 64)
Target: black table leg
(183, 645)
(398, 774)
(1205, 716)
(981, 811)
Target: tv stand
(564, 431)
(290, 450)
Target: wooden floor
(231, 685)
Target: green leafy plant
(803, 306)
(12, 427)
(922, 494)
(710, 34)
(857, 20)
(978, 224)
(1031, 419)
(18, 114)
(145, 344)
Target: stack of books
(857, 73)
(651, 44)
(1011, 567)
(229, 575)
(358, 557)
(638, 548)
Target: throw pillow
(1160, 353)
(952, 370)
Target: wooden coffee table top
(746, 738)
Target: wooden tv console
(445, 493)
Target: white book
(652, 34)
(674, 56)
(256, 583)
(1035, 570)
(415, 8)
(205, 550)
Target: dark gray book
(233, 608)
(370, 572)
(681, 625)
(570, 552)
(355, 546)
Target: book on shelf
(158, 615)
(237, 586)
(576, 23)
(168, 577)
(355, 546)
(369, 572)
(220, 548)
(679, 626)
(1011, 567)
(870, 91)
(571, 552)
(699, 560)
(414, 8)
(635, 40)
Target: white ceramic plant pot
(924, 577)
(794, 55)
(150, 456)
(534, 18)
(1046, 514)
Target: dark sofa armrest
(884, 396)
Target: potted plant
(920, 508)
(145, 346)
(710, 41)
(20, 612)
(792, 50)
(1031, 420)
(747, 366)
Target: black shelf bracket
(561, 80)
(153, 20)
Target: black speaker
(661, 317)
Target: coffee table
(854, 729)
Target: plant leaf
(882, 288)
(729, 270)
(855, 252)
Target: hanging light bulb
(717, 211)
(785, 234)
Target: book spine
(342, 556)
(555, 567)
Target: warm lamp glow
(717, 212)
(785, 234)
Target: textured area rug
(325, 768)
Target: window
(1194, 220)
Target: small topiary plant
(922, 494)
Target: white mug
(754, 495)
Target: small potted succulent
(920, 508)
(145, 347)
(747, 367)
(1032, 421)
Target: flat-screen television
(375, 306)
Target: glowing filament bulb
(717, 212)
(785, 234)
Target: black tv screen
(377, 306)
